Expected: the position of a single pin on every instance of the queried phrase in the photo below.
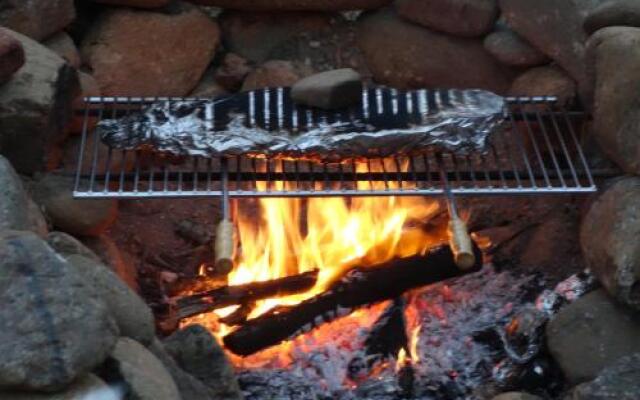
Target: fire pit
(328, 293)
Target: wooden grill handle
(460, 243)
(224, 247)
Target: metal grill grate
(538, 153)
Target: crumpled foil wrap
(266, 122)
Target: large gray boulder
(610, 240)
(590, 334)
(144, 375)
(37, 19)
(614, 55)
(458, 17)
(54, 194)
(17, 210)
(405, 55)
(555, 28)
(55, 327)
(618, 381)
(197, 352)
(11, 55)
(127, 60)
(133, 316)
(35, 106)
(295, 5)
(613, 13)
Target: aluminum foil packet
(267, 122)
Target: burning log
(243, 294)
(386, 338)
(240, 315)
(358, 287)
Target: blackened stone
(618, 381)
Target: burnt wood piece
(385, 339)
(240, 315)
(240, 294)
(358, 287)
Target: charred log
(360, 286)
(240, 315)
(242, 294)
(385, 339)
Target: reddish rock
(11, 55)
(232, 72)
(208, 87)
(37, 19)
(613, 13)
(545, 81)
(274, 73)
(62, 44)
(457, 17)
(405, 55)
(143, 53)
(136, 3)
(89, 87)
(295, 5)
(254, 35)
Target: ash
(467, 346)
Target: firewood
(385, 339)
(240, 315)
(359, 286)
(225, 296)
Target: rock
(516, 396)
(208, 87)
(136, 3)
(66, 246)
(55, 328)
(88, 387)
(255, 35)
(274, 73)
(613, 13)
(133, 316)
(17, 210)
(511, 49)
(390, 46)
(545, 81)
(144, 374)
(127, 60)
(329, 90)
(198, 353)
(37, 19)
(189, 386)
(11, 55)
(232, 72)
(118, 261)
(54, 193)
(89, 88)
(618, 381)
(608, 239)
(614, 54)
(590, 334)
(458, 17)
(43, 90)
(295, 5)
(555, 28)
(62, 44)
